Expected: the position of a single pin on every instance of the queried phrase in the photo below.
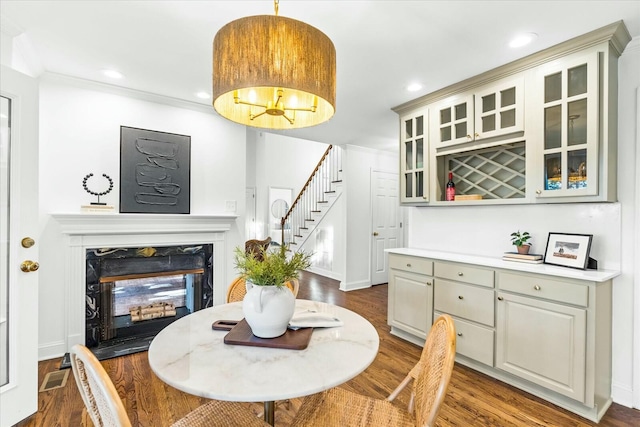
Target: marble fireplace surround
(89, 231)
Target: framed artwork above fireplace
(155, 171)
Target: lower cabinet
(410, 301)
(548, 334)
(543, 342)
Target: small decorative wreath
(84, 185)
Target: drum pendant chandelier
(273, 72)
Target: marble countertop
(192, 357)
(495, 262)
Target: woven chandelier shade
(273, 72)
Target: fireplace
(87, 232)
(133, 293)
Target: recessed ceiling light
(203, 95)
(523, 39)
(112, 74)
(414, 87)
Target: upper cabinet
(414, 157)
(564, 149)
(491, 111)
(570, 113)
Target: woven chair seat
(339, 407)
(220, 414)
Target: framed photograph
(155, 171)
(568, 250)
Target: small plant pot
(523, 250)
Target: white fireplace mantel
(83, 231)
(89, 224)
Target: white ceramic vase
(268, 309)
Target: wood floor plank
(473, 399)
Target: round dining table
(192, 357)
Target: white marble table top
(192, 357)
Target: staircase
(316, 198)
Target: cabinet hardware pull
(500, 298)
(536, 287)
(460, 273)
(459, 334)
(408, 265)
(477, 135)
(469, 136)
(538, 192)
(460, 297)
(428, 283)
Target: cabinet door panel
(411, 302)
(414, 157)
(542, 342)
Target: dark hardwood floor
(473, 399)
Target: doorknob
(27, 242)
(375, 233)
(29, 266)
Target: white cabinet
(543, 342)
(544, 329)
(414, 157)
(466, 293)
(570, 128)
(410, 301)
(490, 111)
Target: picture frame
(568, 250)
(155, 172)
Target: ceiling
(164, 47)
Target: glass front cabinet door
(452, 122)
(414, 157)
(570, 129)
(499, 109)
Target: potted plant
(268, 305)
(520, 241)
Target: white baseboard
(622, 394)
(51, 350)
(326, 273)
(354, 286)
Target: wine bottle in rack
(450, 190)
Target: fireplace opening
(133, 293)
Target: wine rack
(494, 173)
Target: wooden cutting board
(293, 340)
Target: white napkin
(313, 319)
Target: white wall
(358, 164)
(484, 230)
(80, 134)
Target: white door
(18, 222)
(385, 222)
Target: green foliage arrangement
(520, 239)
(275, 269)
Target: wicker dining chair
(339, 407)
(106, 409)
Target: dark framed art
(568, 250)
(155, 171)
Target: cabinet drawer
(411, 263)
(555, 290)
(473, 341)
(464, 273)
(469, 302)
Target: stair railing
(312, 195)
